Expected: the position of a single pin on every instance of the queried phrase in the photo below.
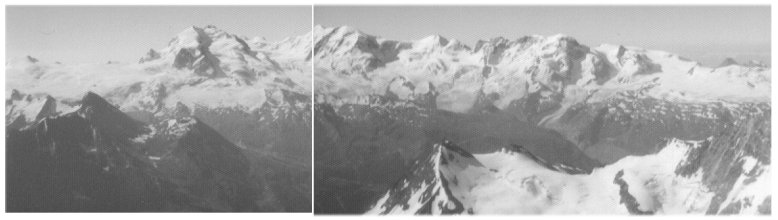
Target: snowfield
(509, 182)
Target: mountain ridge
(450, 180)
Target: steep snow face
(349, 51)
(428, 188)
(452, 181)
(25, 110)
(199, 67)
(675, 78)
(352, 65)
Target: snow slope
(452, 181)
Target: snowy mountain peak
(727, 62)
(432, 41)
(343, 37)
(345, 48)
(215, 53)
(440, 182)
(670, 181)
(428, 188)
(194, 36)
(151, 55)
(191, 49)
(25, 109)
(493, 41)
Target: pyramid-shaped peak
(150, 55)
(108, 117)
(92, 99)
(562, 38)
(728, 62)
(347, 29)
(32, 59)
(434, 40)
(191, 37)
(16, 95)
(339, 32)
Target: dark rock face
(49, 108)
(630, 125)
(360, 149)
(275, 138)
(627, 199)
(91, 160)
(150, 55)
(105, 117)
(278, 145)
(723, 160)
(199, 59)
(49, 170)
(727, 62)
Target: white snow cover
(185, 71)
(27, 107)
(351, 64)
(752, 191)
(506, 182)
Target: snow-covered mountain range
(199, 67)
(608, 103)
(254, 92)
(501, 72)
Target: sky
(92, 34)
(708, 34)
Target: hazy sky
(124, 33)
(707, 34)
